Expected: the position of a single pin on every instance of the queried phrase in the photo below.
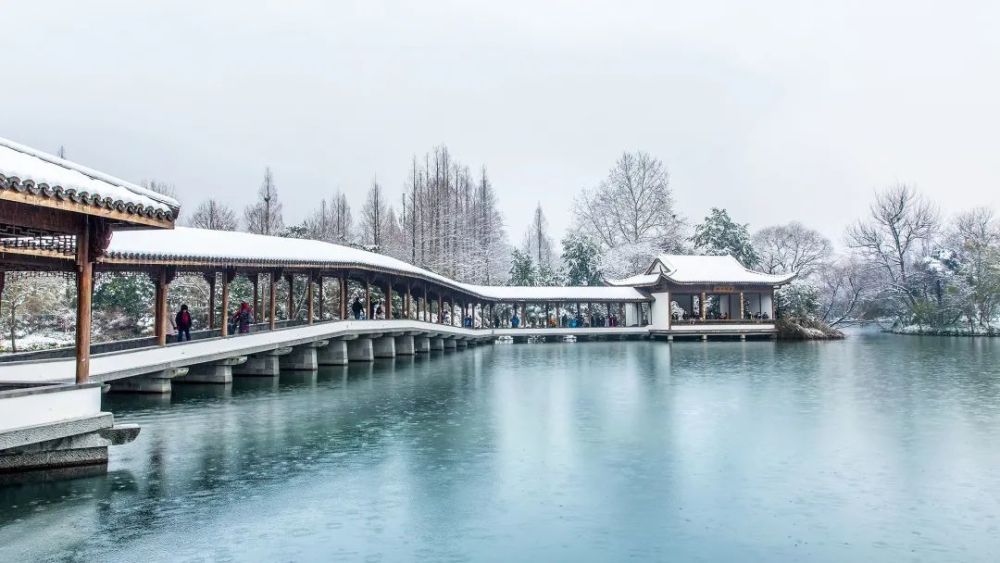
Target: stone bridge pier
(264, 364)
(333, 354)
(360, 350)
(220, 371)
(303, 358)
(156, 382)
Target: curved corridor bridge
(57, 216)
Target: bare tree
(538, 244)
(791, 248)
(844, 287)
(633, 204)
(211, 214)
(901, 225)
(374, 215)
(264, 215)
(159, 187)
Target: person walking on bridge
(242, 319)
(357, 308)
(182, 322)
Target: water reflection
(878, 448)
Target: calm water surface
(879, 448)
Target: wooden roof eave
(117, 214)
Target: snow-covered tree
(719, 235)
(374, 216)
(537, 242)
(522, 269)
(895, 236)
(627, 259)
(581, 260)
(633, 204)
(212, 214)
(791, 248)
(264, 215)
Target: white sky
(777, 110)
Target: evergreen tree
(719, 235)
(522, 269)
(581, 258)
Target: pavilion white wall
(660, 311)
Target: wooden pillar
(210, 278)
(703, 306)
(227, 277)
(255, 280)
(343, 296)
(388, 300)
(309, 299)
(84, 296)
(440, 309)
(590, 313)
(368, 298)
(409, 302)
(320, 297)
(290, 312)
(161, 313)
(272, 304)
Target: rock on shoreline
(806, 329)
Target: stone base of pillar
(704, 337)
(156, 383)
(64, 449)
(450, 344)
(265, 364)
(437, 344)
(670, 338)
(360, 350)
(743, 337)
(459, 344)
(333, 354)
(404, 345)
(384, 347)
(302, 358)
(421, 344)
(220, 372)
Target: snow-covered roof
(231, 248)
(582, 294)
(684, 269)
(640, 280)
(23, 169)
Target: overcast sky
(775, 110)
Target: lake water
(879, 448)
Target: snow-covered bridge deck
(117, 365)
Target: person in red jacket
(183, 324)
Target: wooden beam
(290, 313)
(83, 208)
